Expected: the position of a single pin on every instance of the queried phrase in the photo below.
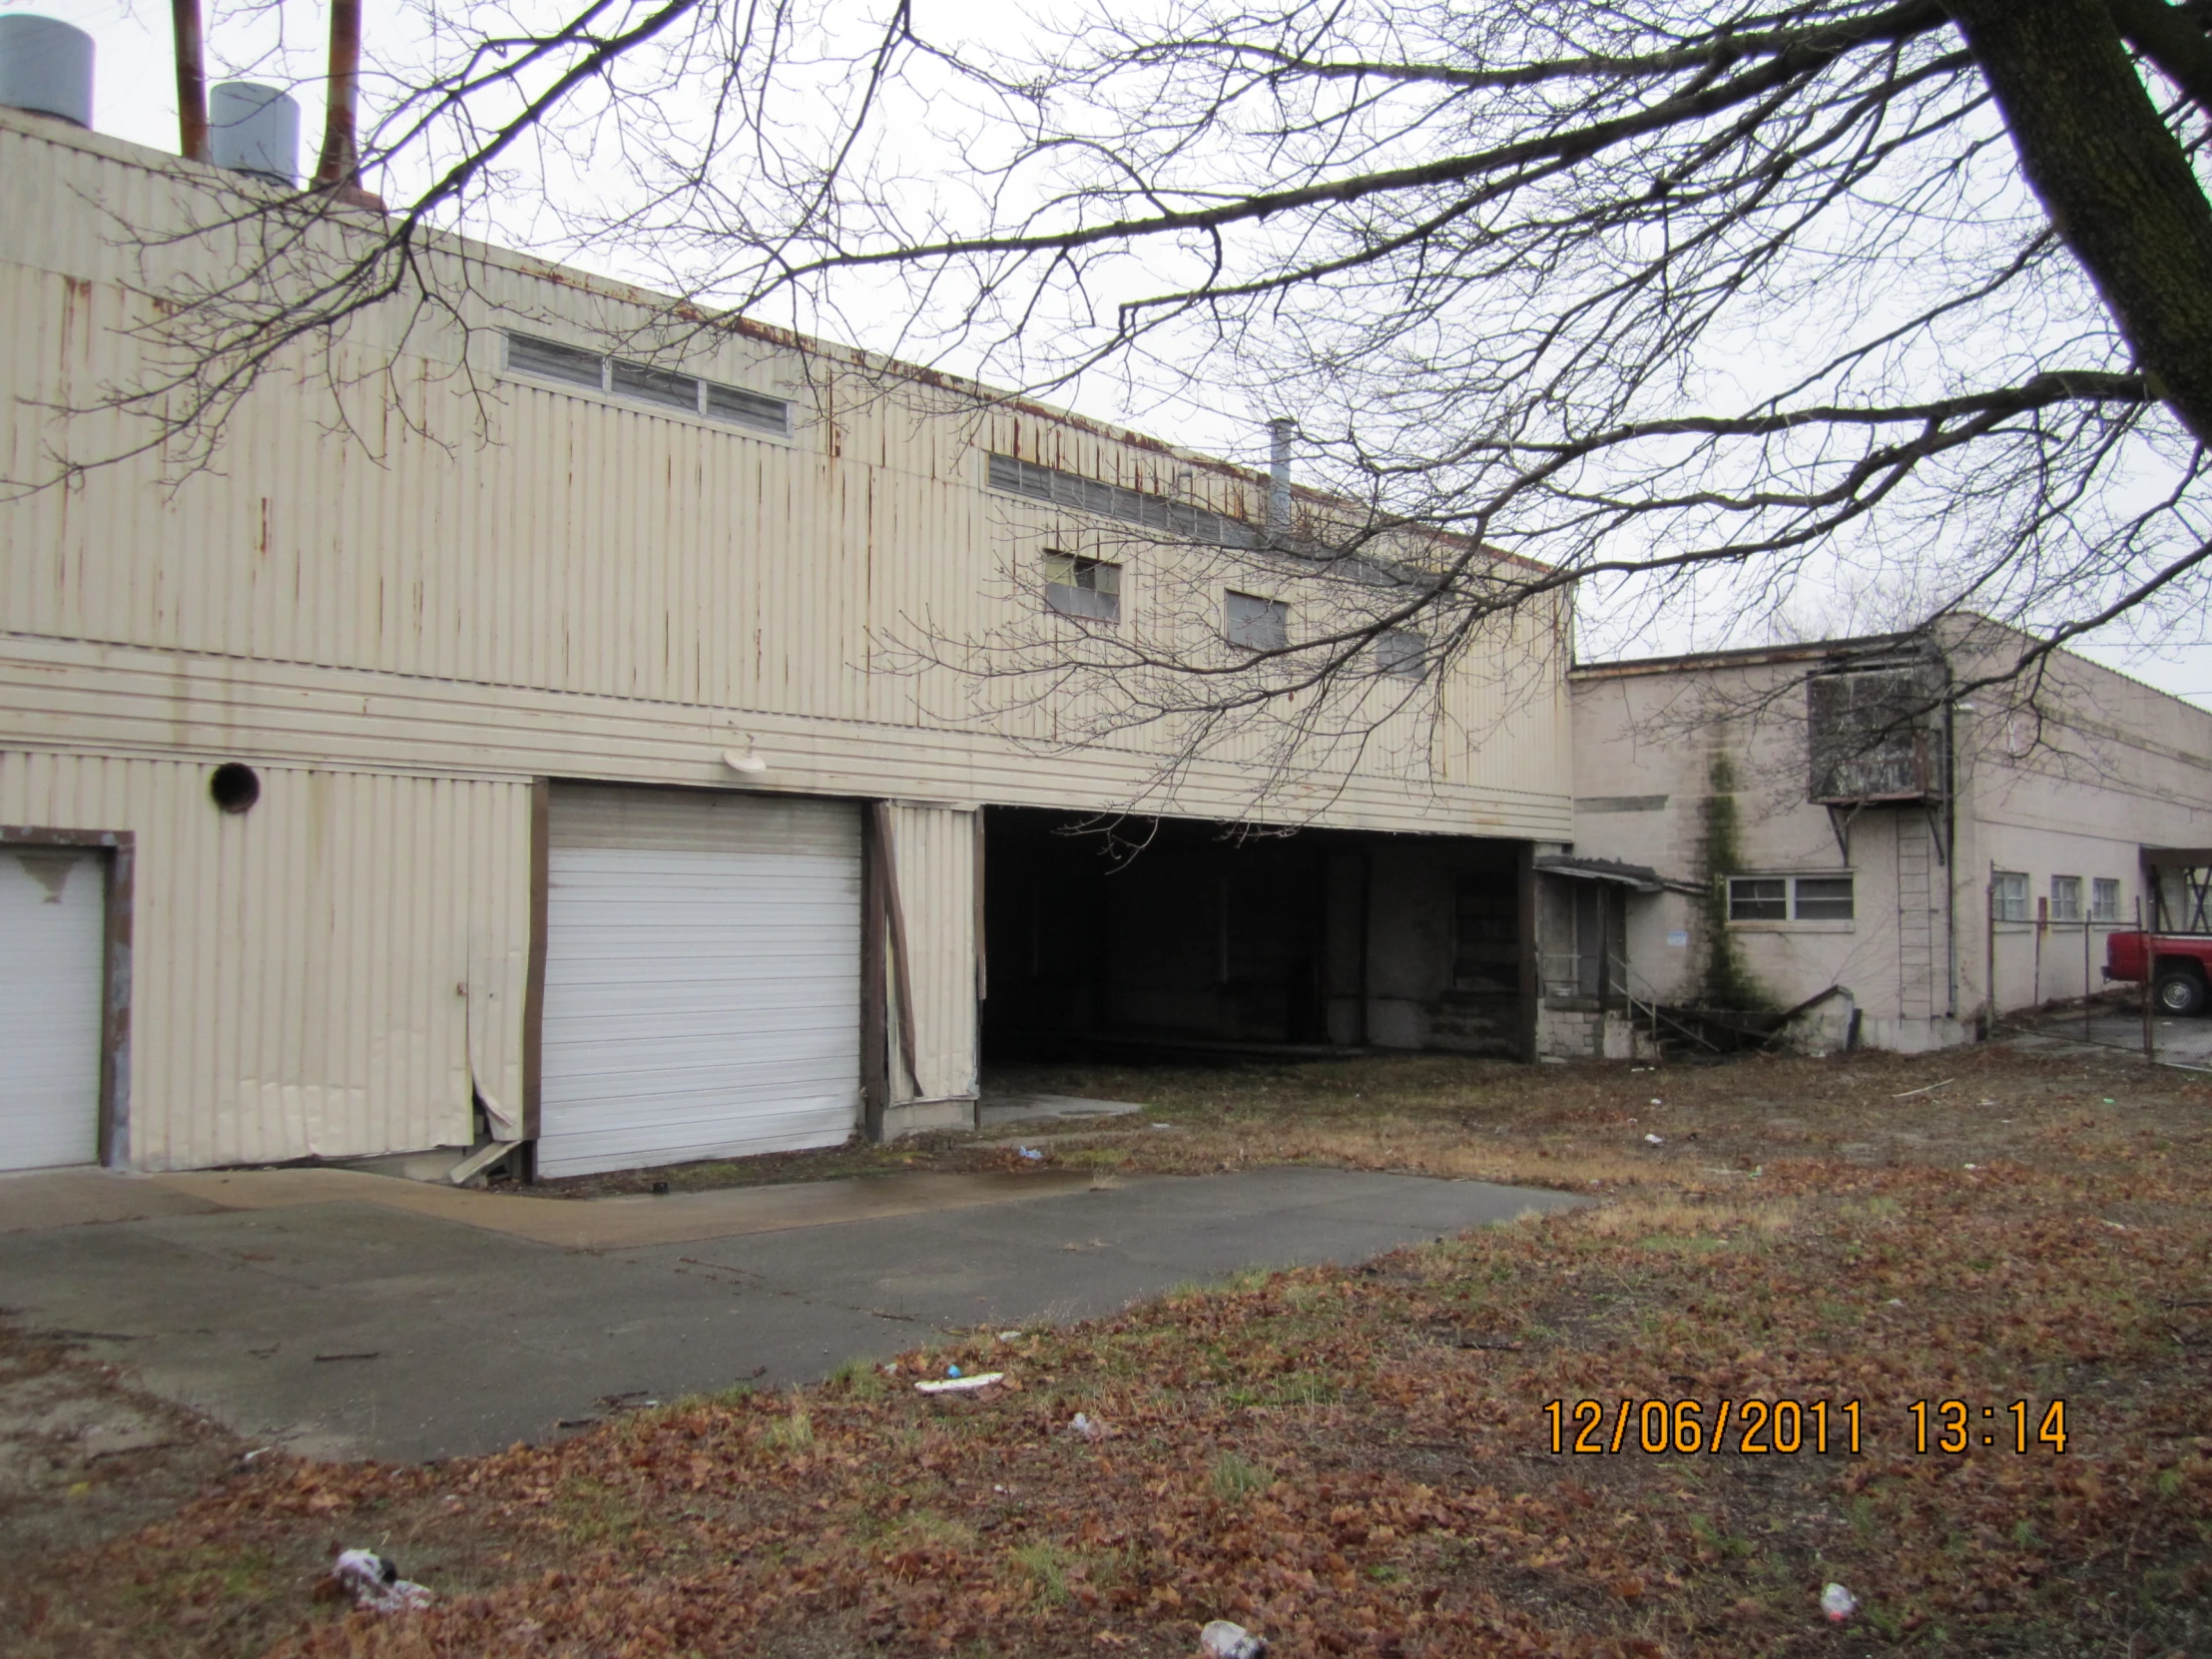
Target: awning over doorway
(1638, 878)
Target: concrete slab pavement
(345, 1327)
(2176, 1042)
(60, 1198)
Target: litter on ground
(374, 1583)
(961, 1384)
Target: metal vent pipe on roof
(1279, 471)
(46, 67)
(255, 129)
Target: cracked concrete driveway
(354, 1328)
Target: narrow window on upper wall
(2008, 896)
(1758, 898)
(1256, 624)
(1086, 588)
(545, 359)
(2104, 900)
(550, 361)
(2066, 898)
(656, 385)
(1401, 652)
(747, 408)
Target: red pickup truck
(2180, 966)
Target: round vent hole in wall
(235, 786)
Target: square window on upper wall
(1402, 653)
(1256, 624)
(2008, 896)
(1087, 589)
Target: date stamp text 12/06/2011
(1765, 1427)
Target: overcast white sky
(135, 99)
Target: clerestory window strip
(545, 359)
(1017, 476)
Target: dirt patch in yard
(1364, 1461)
(84, 1456)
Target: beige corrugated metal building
(530, 565)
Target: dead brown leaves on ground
(1361, 1462)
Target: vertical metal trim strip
(533, 991)
(876, 1059)
(902, 957)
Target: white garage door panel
(701, 988)
(53, 927)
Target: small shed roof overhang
(1637, 877)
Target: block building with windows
(1853, 830)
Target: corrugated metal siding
(577, 547)
(318, 976)
(934, 848)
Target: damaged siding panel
(291, 995)
(936, 851)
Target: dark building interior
(1130, 935)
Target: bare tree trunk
(192, 80)
(339, 164)
(2112, 177)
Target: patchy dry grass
(1361, 1461)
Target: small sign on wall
(1678, 938)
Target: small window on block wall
(2066, 898)
(2008, 896)
(2104, 900)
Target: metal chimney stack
(1279, 472)
(46, 67)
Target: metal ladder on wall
(1915, 917)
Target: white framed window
(1791, 898)
(1089, 589)
(572, 365)
(2066, 898)
(2008, 896)
(1401, 653)
(2104, 900)
(1758, 898)
(1256, 624)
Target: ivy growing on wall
(1728, 983)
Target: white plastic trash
(374, 1583)
(961, 1384)
(1655, 1140)
(1223, 1640)
(1838, 1603)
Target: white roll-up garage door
(702, 977)
(52, 929)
